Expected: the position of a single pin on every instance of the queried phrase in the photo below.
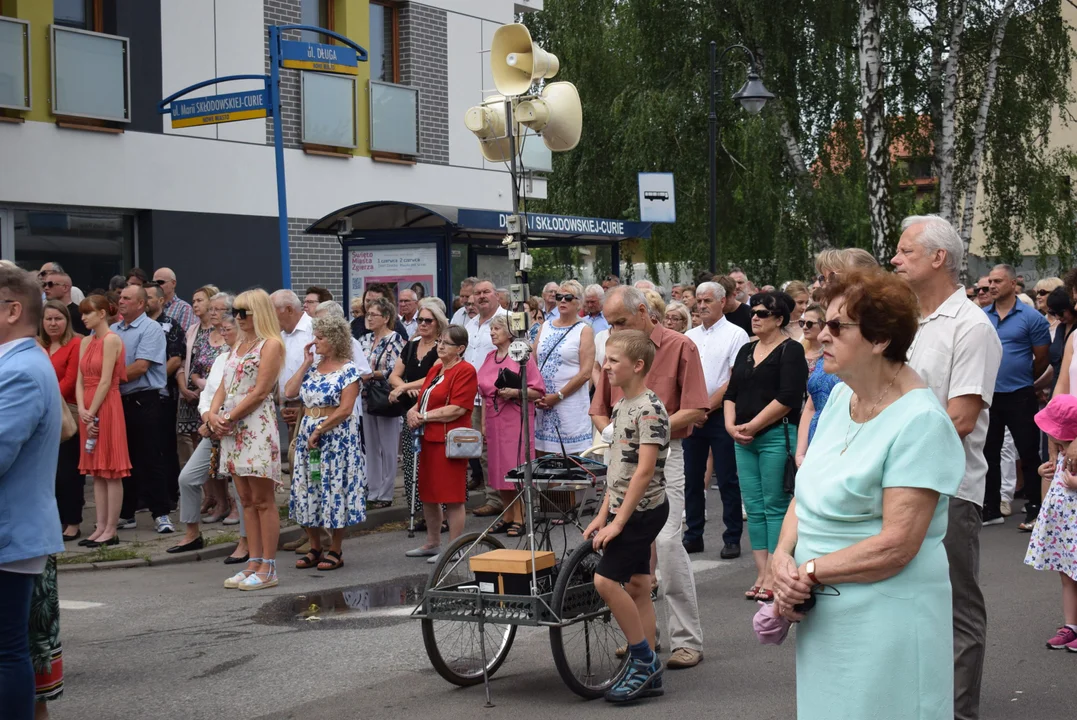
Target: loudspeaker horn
(489, 124)
(516, 62)
(556, 115)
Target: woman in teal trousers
(862, 541)
(762, 409)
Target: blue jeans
(16, 671)
(712, 438)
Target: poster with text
(413, 267)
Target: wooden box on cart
(508, 572)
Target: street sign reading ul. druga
(214, 109)
(315, 56)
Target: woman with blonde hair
(1043, 288)
(658, 306)
(678, 317)
(565, 349)
(244, 415)
(832, 262)
(799, 292)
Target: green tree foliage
(642, 72)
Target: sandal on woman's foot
(379, 504)
(751, 592)
(261, 580)
(310, 560)
(500, 528)
(233, 582)
(331, 561)
(765, 595)
(515, 530)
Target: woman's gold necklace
(871, 413)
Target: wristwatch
(809, 567)
(560, 395)
(424, 416)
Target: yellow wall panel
(351, 18)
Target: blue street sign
(316, 56)
(544, 225)
(214, 109)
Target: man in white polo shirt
(957, 353)
(718, 341)
(479, 345)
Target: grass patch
(103, 554)
(225, 537)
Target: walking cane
(414, 481)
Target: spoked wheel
(454, 645)
(584, 652)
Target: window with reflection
(329, 107)
(90, 246)
(73, 13)
(383, 43)
(316, 13)
(90, 75)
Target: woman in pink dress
(97, 391)
(501, 421)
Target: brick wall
(424, 63)
(315, 259)
(284, 12)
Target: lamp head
(753, 95)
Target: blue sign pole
(278, 151)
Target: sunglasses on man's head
(49, 284)
(568, 297)
(241, 313)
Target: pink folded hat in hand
(770, 627)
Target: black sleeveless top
(415, 368)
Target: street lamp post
(752, 97)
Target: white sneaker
(127, 524)
(164, 525)
(1005, 509)
(994, 521)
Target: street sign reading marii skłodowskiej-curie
(656, 200)
(214, 109)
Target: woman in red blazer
(446, 401)
(62, 345)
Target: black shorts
(629, 553)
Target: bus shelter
(432, 247)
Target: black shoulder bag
(789, 477)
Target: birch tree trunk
(944, 152)
(972, 179)
(876, 142)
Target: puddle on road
(393, 599)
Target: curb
(375, 519)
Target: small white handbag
(463, 443)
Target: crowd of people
(864, 426)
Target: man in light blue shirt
(30, 408)
(593, 297)
(144, 357)
(1025, 338)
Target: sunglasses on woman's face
(1041, 293)
(835, 326)
(426, 321)
(241, 313)
(567, 297)
(808, 324)
(762, 314)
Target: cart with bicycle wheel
(468, 632)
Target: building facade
(94, 177)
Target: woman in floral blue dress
(329, 428)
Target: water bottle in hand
(91, 442)
(315, 465)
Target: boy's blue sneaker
(639, 680)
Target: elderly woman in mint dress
(863, 536)
(328, 390)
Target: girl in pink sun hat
(1053, 545)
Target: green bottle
(315, 465)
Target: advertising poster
(413, 267)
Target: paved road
(169, 642)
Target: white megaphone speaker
(489, 124)
(516, 62)
(557, 116)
